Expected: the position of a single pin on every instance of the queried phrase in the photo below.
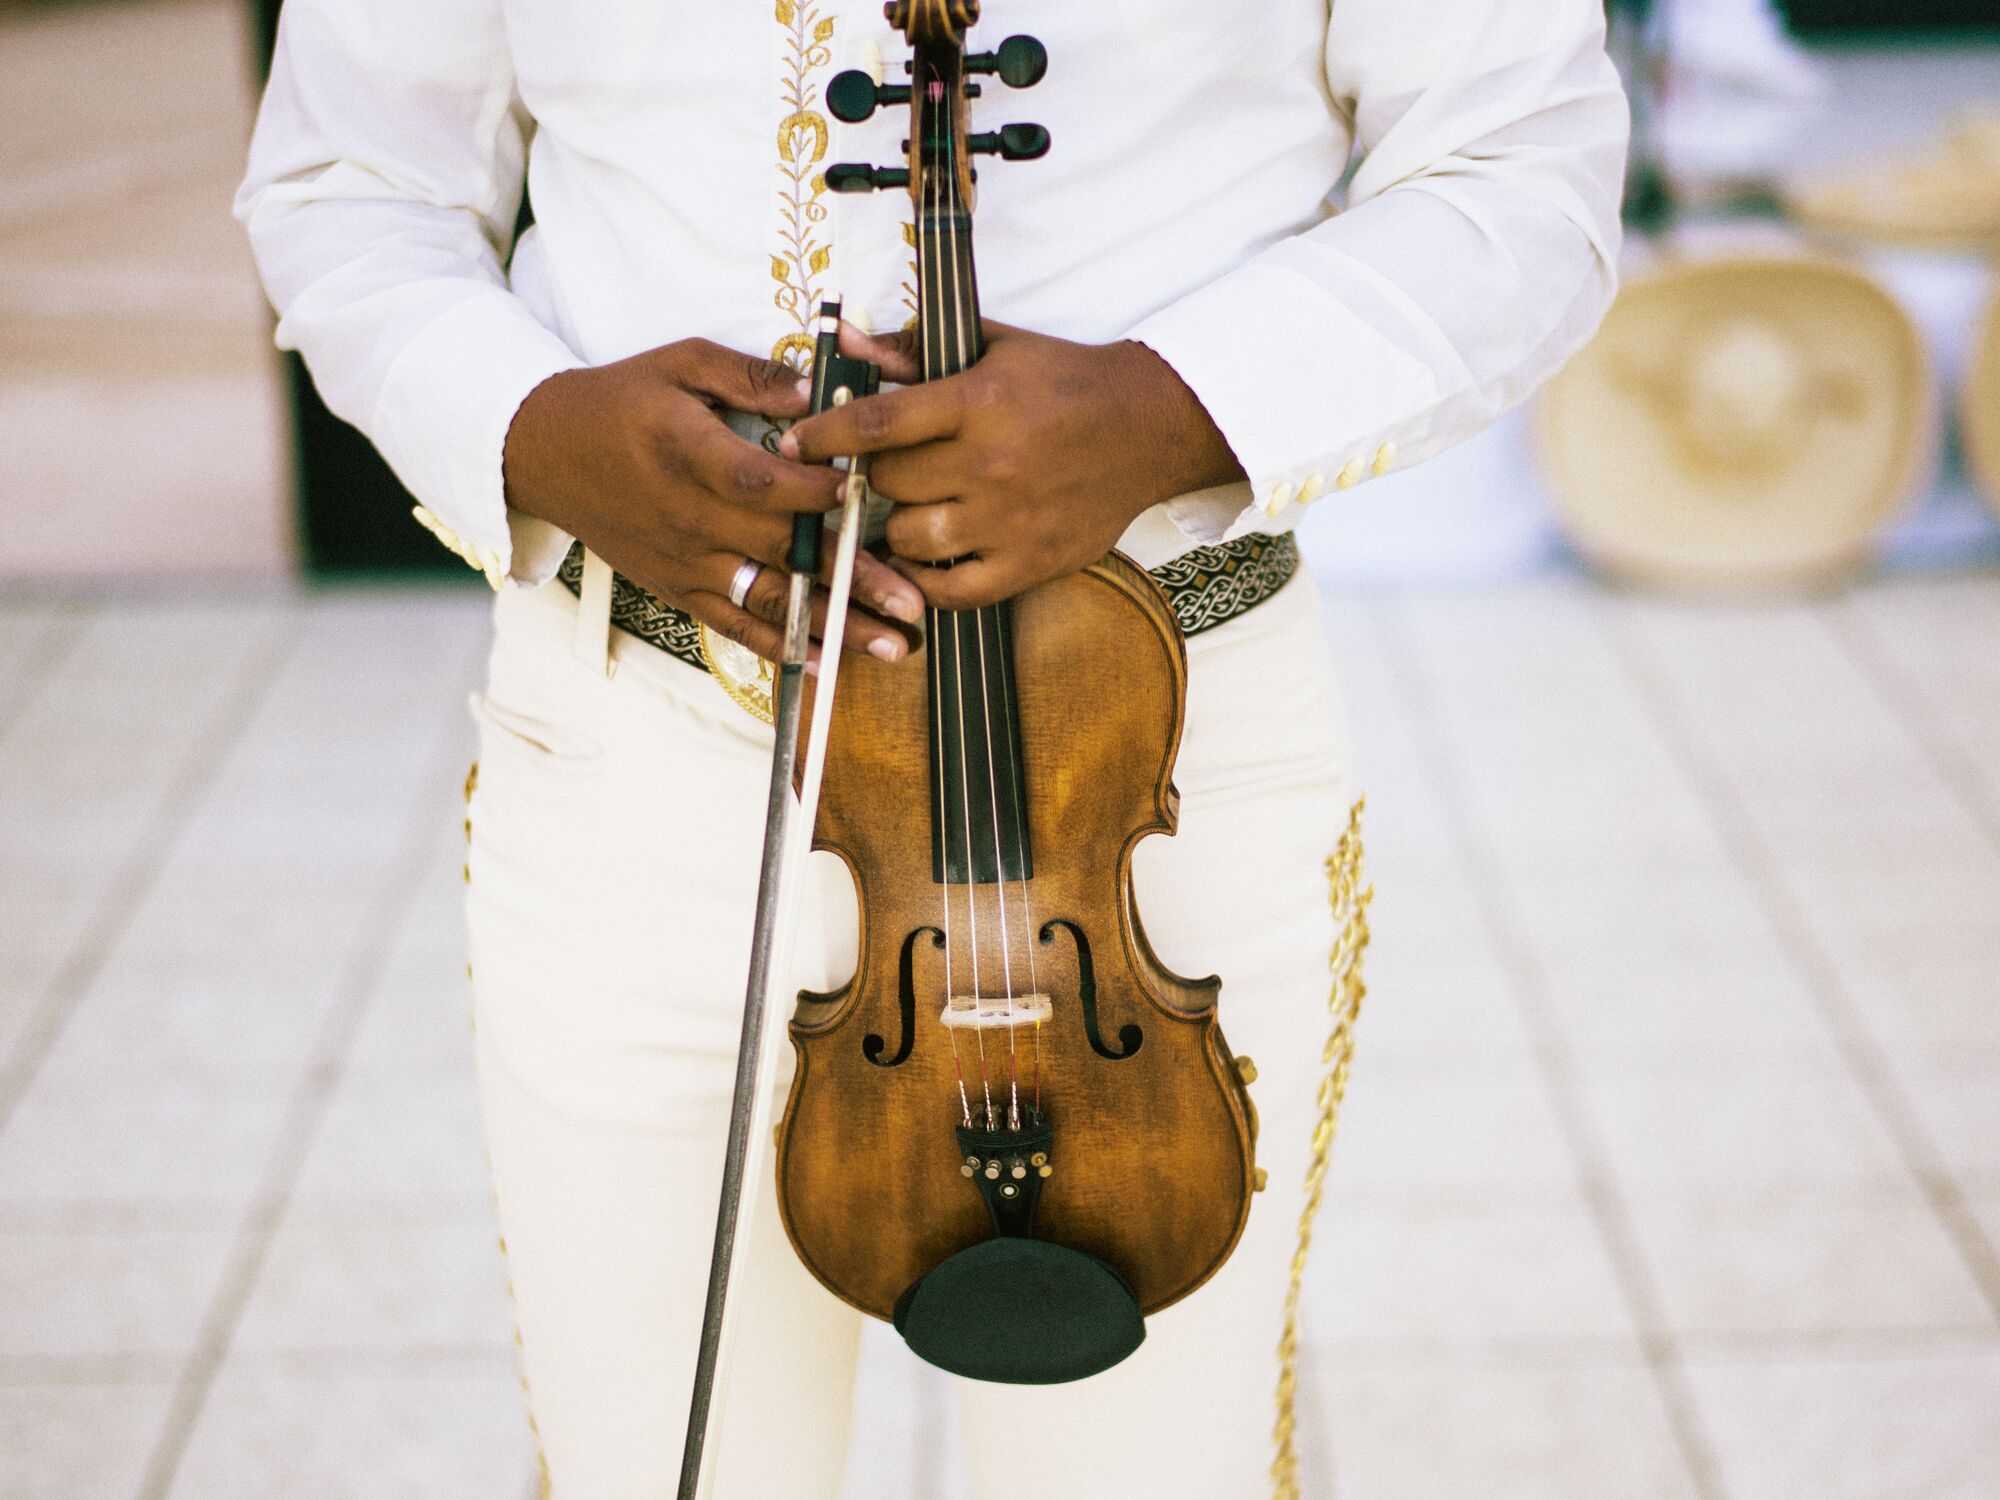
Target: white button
(1281, 496)
(1351, 475)
(1385, 458)
(1309, 491)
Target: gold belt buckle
(743, 674)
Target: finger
(770, 600)
(967, 585)
(742, 382)
(894, 419)
(922, 475)
(895, 353)
(743, 474)
(738, 625)
(770, 592)
(933, 533)
(886, 591)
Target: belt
(1206, 587)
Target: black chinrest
(1021, 1311)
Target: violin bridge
(971, 1013)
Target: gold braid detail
(1349, 898)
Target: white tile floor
(1672, 1166)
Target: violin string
(933, 620)
(1000, 885)
(969, 332)
(971, 882)
(1028, 933)
(944, 849)
(935, 330)
(961, 305)
(935, 637)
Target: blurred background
(1671, 1165)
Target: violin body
(1151, 1165)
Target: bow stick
(788, 822)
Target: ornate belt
(1207, 587)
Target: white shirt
(673, 152)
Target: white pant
(616, 830)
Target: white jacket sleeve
(1476, 254)
(385, 175)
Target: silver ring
(746, 577)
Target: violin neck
(979, 809)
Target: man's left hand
(1026, 467)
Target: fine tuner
(853, 96)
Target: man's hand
(635, 460)
(1028, 466)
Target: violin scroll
(944, 21)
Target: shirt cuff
(441, 423)
(1307, 394)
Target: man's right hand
(635, 461)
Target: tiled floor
(1671, 1167)
(141, 416)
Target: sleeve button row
(1357, 469)
(487, 562)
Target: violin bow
(788, 823)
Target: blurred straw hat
(1744, 421)
(1979, 408)
(1943, 195)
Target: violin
(1013, 1132)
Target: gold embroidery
(1350, 900)
(802, 146)
(910, 286)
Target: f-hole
(872, 1045)
(1130, 1037)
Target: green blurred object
(1810, 16)
(353, 513)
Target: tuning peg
(1020, 61)
(853, 95)
(1010, 143)
(857, 177)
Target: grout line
(164, 1367)
(59, 633)
(386, 916)
(1762, 868)
(1657, 1342)
(1913, 707)
(140, 867)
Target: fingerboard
(979, 821)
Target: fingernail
(909, 608)
(886, 648)
(788, 445)
(804, 387)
